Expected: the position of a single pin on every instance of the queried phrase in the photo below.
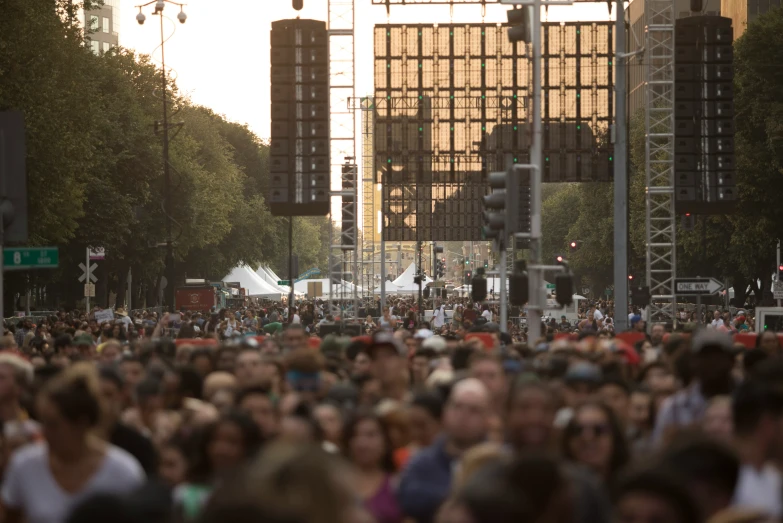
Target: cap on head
(710, 339)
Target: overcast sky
(221, 54)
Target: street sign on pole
(284, 282)
(89, 290)
(697, 286)
(22, 258)
(97, 253)
(777, 290)
(88, 273)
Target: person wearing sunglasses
(594, 439)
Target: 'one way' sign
(697, 286)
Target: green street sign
(550, 285)
(19, 258)
(284, 282)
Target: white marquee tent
(255, 286)
(405, 283)
(269, 276)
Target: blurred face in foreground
(466, 417)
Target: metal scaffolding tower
(369, 213)
(659, 160)
(342, 145)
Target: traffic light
(426, 293)
(704, 167)
(780, 268)
(299, 182)
(688, 222)
(437, 270)
(564, 289)
(486, 264)
(495, 208)
(560, 258)
(467, 262)
(640, 296)
(574, 245)
(518, 285)
(478, 287)
(520, 20)
(467, 277)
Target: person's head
(594, 438)
(424, 416)
(466, 416)
(640, 409)
(654, 495)
(581, 382)
(223, 446)
(708, 467)
(202, 360)
(303, 374)
(173, 461)
(713, 359)
(113, 393)
(294, 337)
(489, 370)
(531, 415)
(69, 407)
(257, 403)
(361, 363)
(16, 375)
(132, 371)
(420, 365)
(769, 342)
(388, 363)
(529, 488)
(366, 442)
(657, 333)
(616, 394)
(758, 415)
(717, 421)
(226, 359)
(248, 368)
(330, 419)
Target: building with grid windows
(742, 12)
(635, 41)
(102, 26)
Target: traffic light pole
(503, 293)
(535, 305)
(620, 175)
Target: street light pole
(169, 270)
(166, 175)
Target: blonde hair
(477, 458)
(22, 369)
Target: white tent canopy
(390, 288)
(255, 286)
(405, 283)
(266, 274)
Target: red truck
(196, 299)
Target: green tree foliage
(95, 167)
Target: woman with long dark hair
(367, 446)
(594, 438)
(220, 450)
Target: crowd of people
(274, 414)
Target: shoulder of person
(29, 454)
(123, 461)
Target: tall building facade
(102, 26)
(637, 64)
(743, 12)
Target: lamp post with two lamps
(182, 17)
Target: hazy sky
(221, 54)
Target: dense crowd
(271, 414)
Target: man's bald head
(471, 389)
(219, 380)
(466, 417)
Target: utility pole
(166, 176)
